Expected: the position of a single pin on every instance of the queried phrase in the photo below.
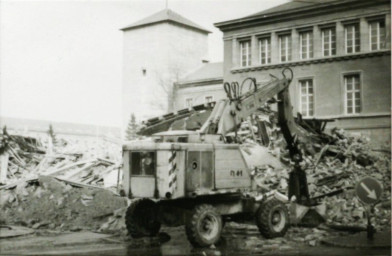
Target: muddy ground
(236, 240)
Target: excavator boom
(229, 113)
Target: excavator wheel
(272, 219)
(204, 226)
(141, 218)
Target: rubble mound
(334, 164)
(49, 203)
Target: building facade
(156, 52)
(339, 52)
(203, 85)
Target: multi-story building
(339, 52)
(156, 52)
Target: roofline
(292, 14)
(131, 27)
(200, 82)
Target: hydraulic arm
(228, 115)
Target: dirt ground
(236, 240)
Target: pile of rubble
(333, 163)
(68, 185)
(49, 203)
(61, 186)
(25, 158)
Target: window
(142, 163)
(265, 50)
(377, 35)
(306, 97)
(245, 53)
(328, 44)
(352, 38)
(209, 99)
(285, 48)
(306, 45)
(188, 102)
(353, 94)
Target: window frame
(267, 49)
(186, 102)
(209, 96)
(300, 83)
(379, 39)
(355, 31)
(143, 174)
(248, 61)
(331, 43)
(309, 44)
(345, 93)
(288, 48)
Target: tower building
(157, 50)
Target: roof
(165, 15)
(295, 9)
(291, 6)
(206, 71)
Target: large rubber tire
(141, 218)
(204, 226)
(272, 219)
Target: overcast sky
(62, 60)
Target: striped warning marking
(172, 171)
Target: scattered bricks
(38, 192)
(75, 229)
(4, 199)
(21, 189)
(271, 246)
(330, 165)
(60, 201)
(299, 239)
(31, 222)
(281, 240)
(36, 225)
(67, 188)
(85, 202)
(104, 227)
(285, 247)
(86, 197)
(12, 198)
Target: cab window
(142, 163)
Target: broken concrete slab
(14, 231)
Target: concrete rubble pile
(63, 189)
(50, 203)
(333, 163)
(69, 186)
(25, 158)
